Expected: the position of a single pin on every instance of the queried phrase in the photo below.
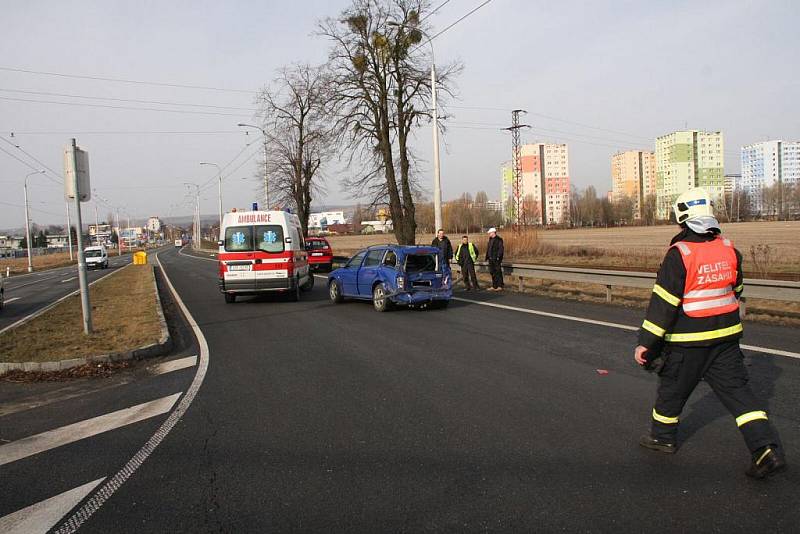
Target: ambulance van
(262, 251)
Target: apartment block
(687, 159)
(765, 164)
(545, 182)
(633, 175)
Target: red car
(320, 253)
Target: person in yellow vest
(693, 325)
(466, 256)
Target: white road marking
(12, 299)
(107, 490)
(754, 348)
(173, 365)
(43, 516)
(181, 253)
(17, 450)
(69, 279)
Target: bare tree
(299, 139)
(381, 91)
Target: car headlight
(401, 282)
(446, 281)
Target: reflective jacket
(700, 308)
(473, 253)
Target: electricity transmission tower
(517, 200)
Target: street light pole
(219, 178)
(27, 220)
(196, 231)
(266, 154)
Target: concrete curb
(163, 346)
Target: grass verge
(124, 316)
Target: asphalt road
(25, 294)
(317, 417)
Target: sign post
(76, 185)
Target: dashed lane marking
(12, 299)
(17, 450)
(173, 365)
(42, 516)
(69, 279)
(765, 350)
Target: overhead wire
(123, 80)
(132, 100)
(127, 108)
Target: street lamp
(266, 178)
(27, 219)
(437, 178)
(219, 177)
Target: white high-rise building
(765, 164)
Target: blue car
(391, 275)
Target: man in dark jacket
(693, 318)
(494, 255)
(443, 243)
(466, 256)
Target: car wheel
(230, 298)
(335, 292)
(380, 300)
(308, 286)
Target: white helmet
(692, 204)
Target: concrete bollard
(608, 293)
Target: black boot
(767, 461)
(649, 442)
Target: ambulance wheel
(308, 286)
(230, 298)
(335, 292)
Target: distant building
(633, 175)
(684, 160)
(766, 164)
(494, 205)
(100, 233)
(154, 225)
(376, 227)
(57, 240)
(545, 183)
(326, 218)
(8, 242)
(507, 190)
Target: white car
(96, 257)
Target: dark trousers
(496, 270)
(468, 275)
(722, 367)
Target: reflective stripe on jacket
(473, 253)
(689, 312)
(711, 271)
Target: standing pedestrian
(494, 255)
(466, 256)
(445, 247)
(693, 317)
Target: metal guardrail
(754, 288)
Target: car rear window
(419, 263)
(92, 253)
(316, 244)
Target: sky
(601, 76)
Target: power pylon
(517, 201)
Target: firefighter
(466, 256)
(693, 324)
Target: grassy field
(632, 248)
(124, 313)
(48, 261)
